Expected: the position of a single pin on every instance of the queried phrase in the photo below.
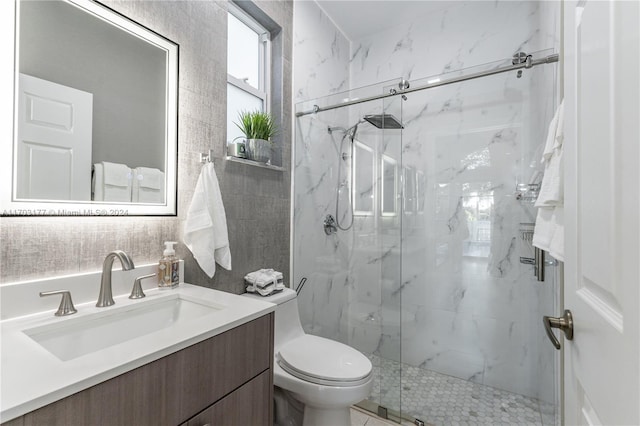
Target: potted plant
(258, 128)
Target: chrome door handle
(564, 323)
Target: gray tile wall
(257, 201)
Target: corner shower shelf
(254, 163)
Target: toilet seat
(324, 362)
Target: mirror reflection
(97, 112)
(389, 186)
(363, 175)
(409, 179)
(420, 191)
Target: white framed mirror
(94, 129)
(389, 189)
(363, 179)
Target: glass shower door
(349, 167)
(473, 349)
(390, 178)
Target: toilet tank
(287, 317)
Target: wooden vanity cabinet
(244, 407)
(224, 380)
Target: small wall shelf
(253, 163)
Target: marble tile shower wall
(469, 309)
(321, 56)
(256, 200)
(462, 34)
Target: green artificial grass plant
(256, 125)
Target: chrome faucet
(106, 297)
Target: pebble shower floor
(438, 399)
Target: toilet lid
(324, 361)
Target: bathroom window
(248, 67)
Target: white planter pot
(258, 150)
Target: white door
(602, 269)
(54, 141)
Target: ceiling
(360, 18)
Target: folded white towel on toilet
(263, 277)
(264, 281)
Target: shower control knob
(329, 224)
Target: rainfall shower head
(384, 121)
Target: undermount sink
(80, 336)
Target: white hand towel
(552, 187)
(148, 185)
(556, 247)
(544, 229)
(205, 231)
(555, 128)
(549, 230)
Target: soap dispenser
(168, 267)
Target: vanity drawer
(171, 390)
(245, 406)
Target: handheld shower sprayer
(380, 121)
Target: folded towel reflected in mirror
(147, 186)
(111, 182)
(115, 182)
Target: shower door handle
(564, 323)
(538, 265)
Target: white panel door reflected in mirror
(54, 141)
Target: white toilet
(326, 376)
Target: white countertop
(32, 377)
